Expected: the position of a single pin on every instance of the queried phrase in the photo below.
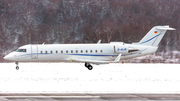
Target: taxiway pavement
(87, 97)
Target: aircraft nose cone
(7, 57)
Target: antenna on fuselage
(43, 43)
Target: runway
(87, 97)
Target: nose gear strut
(17, 67)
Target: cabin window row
(81, 51)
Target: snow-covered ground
(75, 78)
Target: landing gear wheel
(90, 67)
(86, 65)
(17, 67)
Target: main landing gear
(17, 67)
(90, 67)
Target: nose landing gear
(17, 67)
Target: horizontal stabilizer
(165, 28)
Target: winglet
(99, 42)
(118, 58)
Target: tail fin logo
(155, 32)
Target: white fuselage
(65, 52)
(90, 53)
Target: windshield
(21, 50)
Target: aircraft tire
(86, 65)
(90, 67)
(17, 67)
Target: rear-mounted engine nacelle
(124, 49)
(120, 49)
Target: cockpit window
(21, 50)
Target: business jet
(98, 53)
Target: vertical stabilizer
(154, 36)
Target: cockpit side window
(21, 50)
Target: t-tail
(154, 36)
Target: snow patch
(74, 77)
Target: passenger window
(41, 52)
(81, 51)
(76, 51)
(96, 51)
(56, 51)
(66, 51)
(61, 51)
(51, 52)
(86, 51)
(91, 51)
(46, 52)
(71, 51)
(101, 51)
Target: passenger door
(34, 52)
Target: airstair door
(34, 52)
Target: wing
(96, 61)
